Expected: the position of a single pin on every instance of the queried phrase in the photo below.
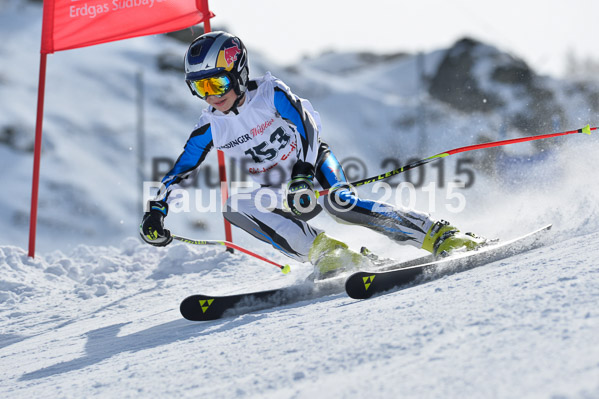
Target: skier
(264, 123)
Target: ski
(364, 284)
(202, 307)
(210, 307)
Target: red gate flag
(69, 24)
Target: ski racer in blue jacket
(264, 124)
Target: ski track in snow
(105, 322)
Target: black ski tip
(200, 308)
(357, 285)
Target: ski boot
(332, 257)
(442, 239)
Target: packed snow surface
(104, 322)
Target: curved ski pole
(284, 268)
(586, 130)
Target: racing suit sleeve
(301, 114)
(197, 147)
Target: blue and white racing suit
(269, 133)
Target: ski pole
(284, 268)
(586, 130)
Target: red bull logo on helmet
(231, 54)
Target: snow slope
(104, 322)
(96, 312)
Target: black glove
(152, 228)
(300, 189)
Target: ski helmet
(215, 54)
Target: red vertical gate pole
(37, 154)
(222, 169)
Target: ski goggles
(214, 86)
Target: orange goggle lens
(215, 86)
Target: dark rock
(455, 83)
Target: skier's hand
(300, 189)
(152, 228)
